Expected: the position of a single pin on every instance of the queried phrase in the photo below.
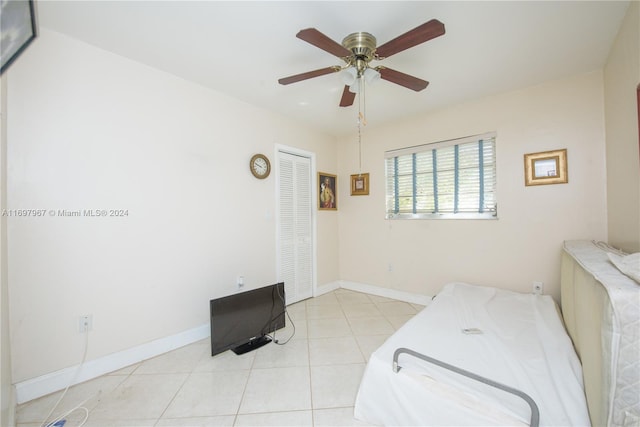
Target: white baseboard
(326, 288)
(58, 380)
(386, 292)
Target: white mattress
(523, 346)
(619, 333)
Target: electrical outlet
(85, 323)
(538, 288)
(240, 282)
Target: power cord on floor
(284, 303)
(292, 333)
(73, 380)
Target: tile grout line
(244, 389)
(189, 374)
(306, 321)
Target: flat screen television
(241, 322)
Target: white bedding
(523, 345)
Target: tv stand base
(254, 344)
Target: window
(448, 179)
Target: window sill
(483, 216)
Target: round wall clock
(260, 166)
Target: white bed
(517, 340)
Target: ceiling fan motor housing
(361, 45)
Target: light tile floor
(310, 381)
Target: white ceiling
(241, 48)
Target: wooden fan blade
(347, 97)
(308, 75)
(425, 32)
(319, 40)
(402, 79)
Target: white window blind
(448, 179)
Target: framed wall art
(547, 167)
(17, 31)
(360, 184)
(327, 191)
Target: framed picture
(327, 191)
(360, 184)
(547, 167)
(17, 31)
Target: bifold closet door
(295, 248)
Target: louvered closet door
(295, 227)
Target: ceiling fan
(358, 50)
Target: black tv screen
(240, 322)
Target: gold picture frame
(546, 167)
(327, 192)
(360, 184)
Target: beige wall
(91, 130)
(524, 244)
(622, 77)
(6, 390)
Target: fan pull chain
(362, 101)
(362, 121)
(359, 146)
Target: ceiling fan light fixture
(355, 86)
(349, 75)
(371, 76)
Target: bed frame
(535, 413)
